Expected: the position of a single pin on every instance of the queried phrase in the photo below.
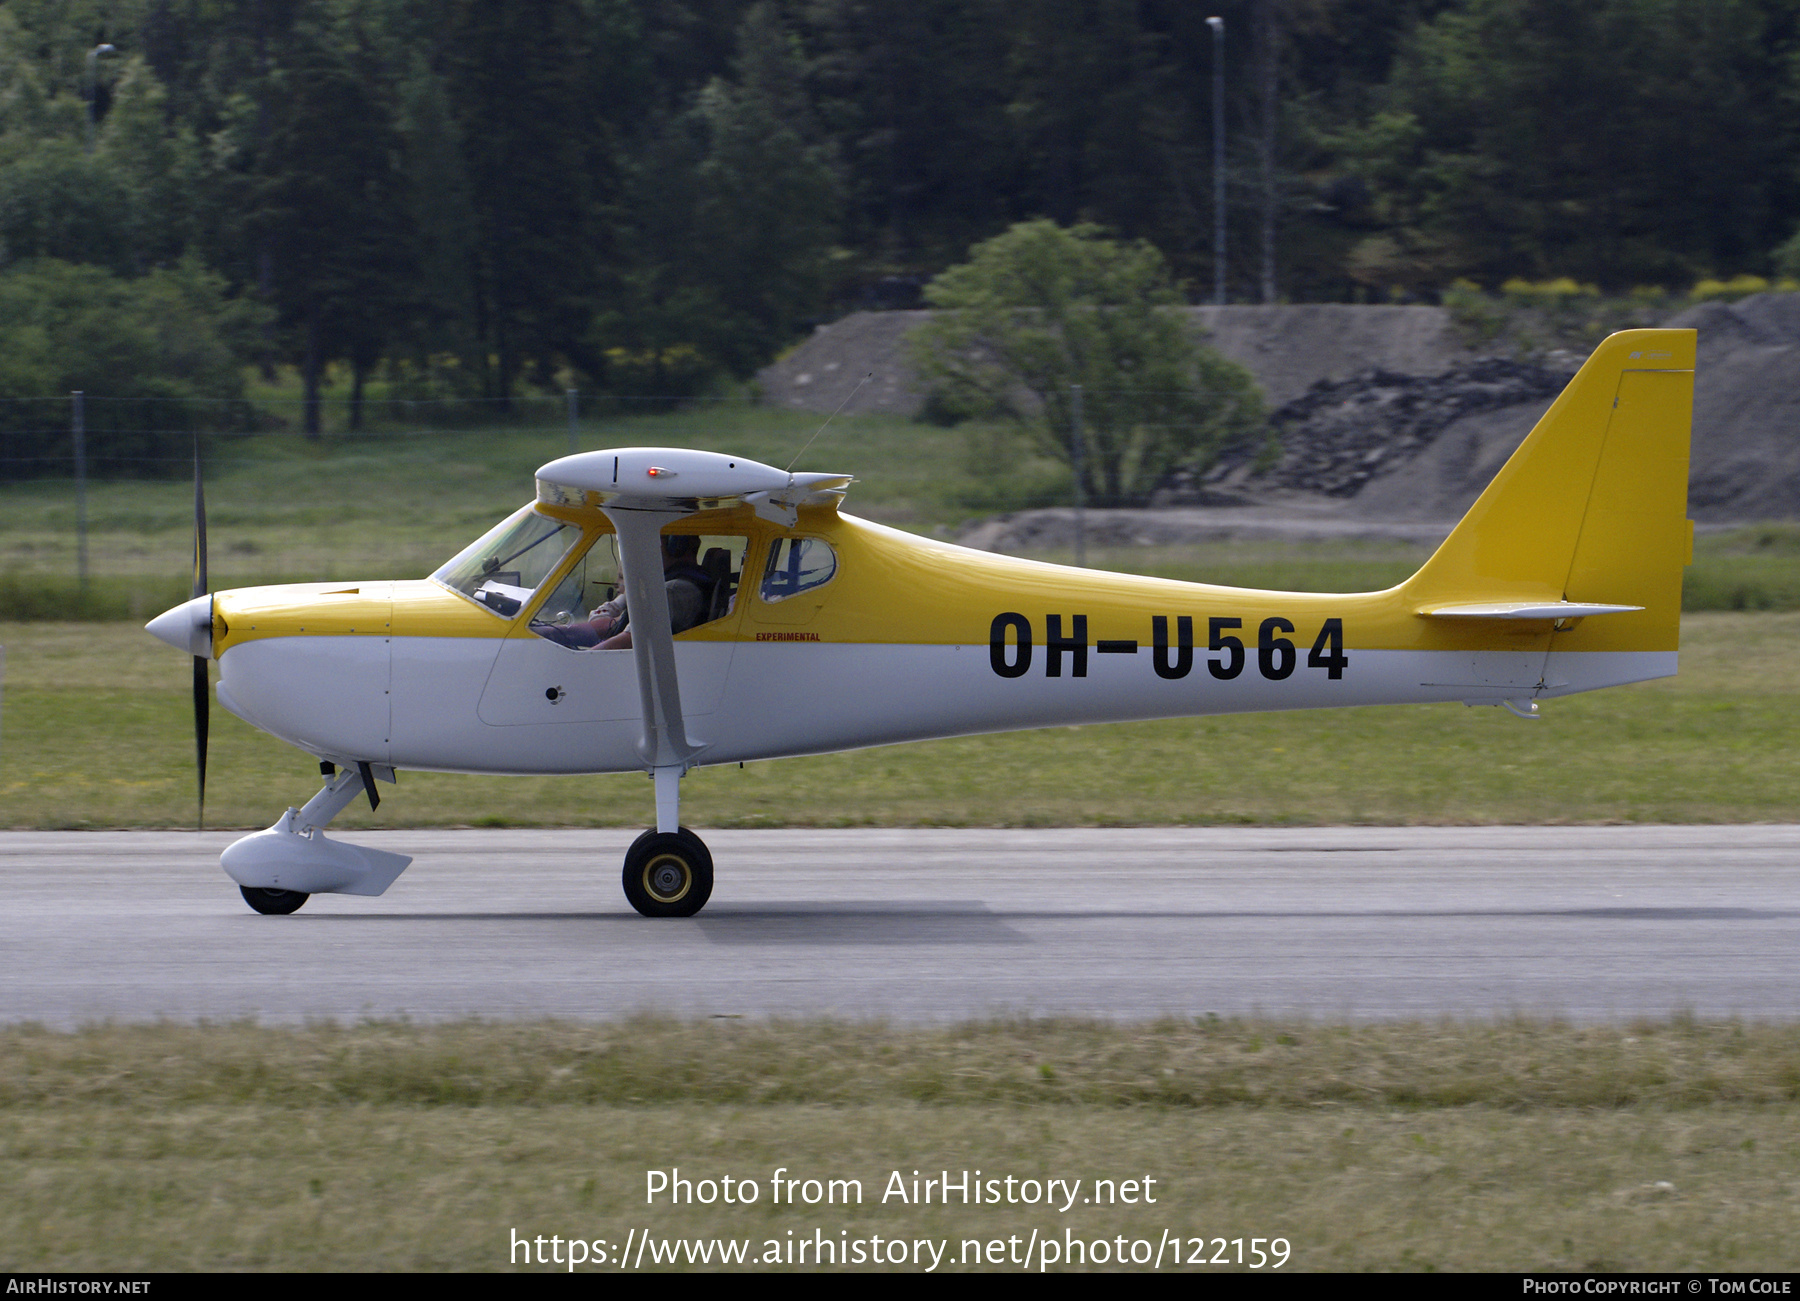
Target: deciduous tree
(1041, 309)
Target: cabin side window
(797, 565)
(591, 582)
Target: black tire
(274, 903)
(668, 874)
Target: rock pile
(1341, 434)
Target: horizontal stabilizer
(1525, 610)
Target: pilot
(689, 589)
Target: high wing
(683, 481)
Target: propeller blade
(202, 697)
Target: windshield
(507, 563)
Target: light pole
(1218, 31)
(93, 59)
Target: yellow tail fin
(1592, 508)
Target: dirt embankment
(1385, 413)
(1746, 463)
(823, 371)
(1287, 348)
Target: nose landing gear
(279, 869)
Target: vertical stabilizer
(1592, 508)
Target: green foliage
(442, 217)
(1728, 291)
(537, 92)
(59, 201)
(1552, 292)
(329, 207)
(1530, 318)
(768, 201)
(1623, 141)
(1040, 310)
(1471, 309)
(157, 349)
(736, 208)
(1787, 258)
(658, 198)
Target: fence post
(574, 410)
(79, 429)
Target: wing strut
(664, 746)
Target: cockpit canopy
(504, 570)
(504, 566)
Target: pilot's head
(680, 548)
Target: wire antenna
(828, 419)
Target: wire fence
(77, 441)
(89, 438)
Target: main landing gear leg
(668, 871)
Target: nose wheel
(668, 874)
(274, 903)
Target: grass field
(397, 503)
(1513, 1146)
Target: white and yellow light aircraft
(824, 632)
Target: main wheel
(668, 874)
(276, 903)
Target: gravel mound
(1407, 447)
(1383, 411)
(1288, 348)
(825, 369)
(1746, 449)
(1746, 463)
(1293, 347)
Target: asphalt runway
(1585, 923)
